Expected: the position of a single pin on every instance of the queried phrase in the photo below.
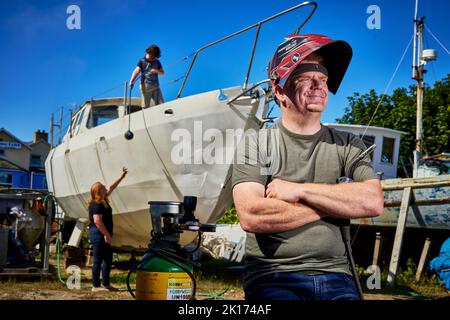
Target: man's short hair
(315, 57)
(154, 51)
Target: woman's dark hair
(154, 51)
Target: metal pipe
(414, 65)
(47, 234)
(250, 89)
(71, 122)
(307, 18)
(245, 30)
(91, 117)
(125, 96)
(60, 125)
(420, 87)
(251, 57)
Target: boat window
(368, 141)
(74, 122)
(387, 151)
(102, 115)
(133, 109)
(79, 120)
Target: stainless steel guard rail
(256, 25)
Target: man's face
(306, 92)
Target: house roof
(32, 143)
(14, 137)
(6, 164)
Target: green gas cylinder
(160, 279)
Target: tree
(398, 111)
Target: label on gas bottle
(163, 286)
(179, 288)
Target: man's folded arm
(258, 214)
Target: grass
(428, 287)
(215, 278)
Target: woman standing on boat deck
(101, 232)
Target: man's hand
(283, 190)
(154, 71)
(131, 85)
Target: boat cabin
(385, 156)
(94, 113)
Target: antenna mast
(418, 72)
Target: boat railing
(248, 90)
(256, 25)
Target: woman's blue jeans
(298, 286)
(102, 254)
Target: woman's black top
(106, 216)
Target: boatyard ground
(217, 280)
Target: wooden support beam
(423, 258)
(427, 202)
(427, 182)
(376, 249)
(399, 233)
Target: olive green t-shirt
(323, 157)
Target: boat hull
(183, 147)
(425, 215)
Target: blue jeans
(298, 286)
(102, 254)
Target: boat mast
(418, 72)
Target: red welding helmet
(336, 56)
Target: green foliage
(409, 275)
(398, 111)
(230, 217)
(85, 244)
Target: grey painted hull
(98, 154)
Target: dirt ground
(46, 290)
(54, 290)
(209, 286)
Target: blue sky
(45, 66)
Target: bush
(230, 217)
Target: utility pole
(51, 131)
(60, 125)
(70, 126)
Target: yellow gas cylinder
(159, 279)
